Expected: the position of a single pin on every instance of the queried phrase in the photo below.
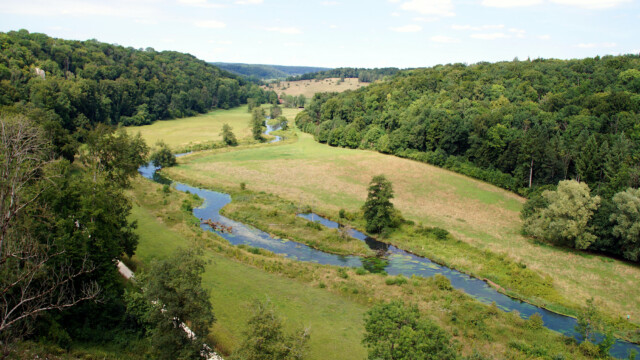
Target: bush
(535, 322)
(243, 186)
(342, 272)
(397, 280)
(442, 282)
(186, 205)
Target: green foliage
(396, 280)
(394, 331)
(266, 72)
(378, 208)
(516, 124)
(94, 82)
(257, 122)
(275, 111)
(163, 157)
(626, 218)
(588, 321)
(442, 282)
(174, 287)
(227, 136)
(535, 322)
(265, 339)
(364, 75)
(565, 221)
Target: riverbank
(475, 327)
(484, 219)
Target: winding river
(399, 261)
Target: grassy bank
(328, 299)
(484, 217)
(335, 322)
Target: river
(400, 261)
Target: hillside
(362, 74)
(93, 82)
(267, 72)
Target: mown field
(309, 87)
(484, 216)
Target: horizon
(394, 33)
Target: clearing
(309, 87)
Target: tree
(275, 111)
(257, 121)
(113, 154)
(227, 135)
(565, 220)
(163, 157)
(378, 208)
(393, 331)
(265, 339)
(35, 275)
(174, 287)
(626, 218)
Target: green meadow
(483, 216)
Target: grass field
(335, 322)
(329, 301)
(309, 87)
(181, 133)
(482, 215)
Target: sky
(328, 33)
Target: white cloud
(200, 3)
(248, 2)
(592, 4)
(284, 30)
(424, 19)
(394, 1)
(118, 8)
(210, 24)
(489, 36)
(395, 14)
(444, 39)
(333, 26)
(477, 28)
(329, 3)
(596, 45)
(519, 33)
(221, 42)
(406, 28)
(544, 37)
(429, 7)
(510, 3)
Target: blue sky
(400, 33)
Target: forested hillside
(65, 220)
(521, 125)
(94, 82)
(267, 72)
(362, 74)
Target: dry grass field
(482, 215)
(309, 87)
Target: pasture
(204, 128)
(487, 218)
(309, 87)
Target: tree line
(521, 125)
(362, 74)
(89, 82)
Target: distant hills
(267, 72)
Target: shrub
(342, 272)
(442, 282)
(243, 186)
(535, 322)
